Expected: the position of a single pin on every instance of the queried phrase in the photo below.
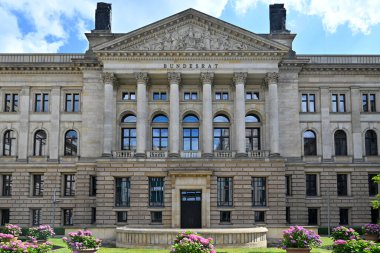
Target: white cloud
(360, 16)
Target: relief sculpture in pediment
(190, 38)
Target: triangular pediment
(190, 30)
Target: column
(272, 79)
(55, 124)
(356, 126)
(142, 108)
(207, 135)
(108, 79)
(23, 134)
(239, 81)
(174, 80)
(325, 124)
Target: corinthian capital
(239, 77)
(271, 77)
(109, 77)
(142, 77)
(174, 77)
(207, 77)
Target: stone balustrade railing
(224, 154)
(191, 154)
(38, 58)
(124, 154)
(258, 153)
(157, 154)
(341, 59)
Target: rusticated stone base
(163, 238)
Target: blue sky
(322, 26)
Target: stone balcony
(190, 154)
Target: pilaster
(207, 79)
(174, 80)
(272, 79)
(109, 80)
(239, 81)
(55, 124)
(142, 105)
(23, 135)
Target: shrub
(82, 239)
(12, 230)
(371, 229)
(18, 246)
(299, 237)
(355, 246)
(6, 237)
(189, 242)
(343, 233)
(42, 232)
(59, 231)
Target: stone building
(188, 122)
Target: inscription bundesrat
(190, 66)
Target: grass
(60, 247)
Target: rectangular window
(334, 103)
(221, 139)
(311, 185)
(225, 216)
(129, 141)
(93, 215)
(287, 215)
(156, 191)
(343, 216)
(67, 217)
(221, 95)
(259, 216)
(259, 191)
(191, 139)
(373, 187)
(252, 139)
(288, 185)
(312, 216)
(225, 191)
(374, 215)
(129, 95)
(156, 217)
(122, 216)
(11, 102)
(122, 192)
(342, 103)
(159, 96)
(190, 96)
(92, 185)
(38, 185)
(308, 103)
(36, 217)
(369, 102)
(72, 102)
(160, 138)
(342, 184)
(69, 185)
(250, 95)
(7, 185)
(4, 215)
(41, 103)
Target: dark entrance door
(191, 208)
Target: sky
(322, 26)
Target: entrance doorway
(191, 208)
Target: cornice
(35, 69)
(346, 69)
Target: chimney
(103, 17)
(277, 17)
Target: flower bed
(343, 233)
(82, 240)
(189, 242)
(299, 237)
(42, 232)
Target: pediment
(190, 30)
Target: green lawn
(63, 249)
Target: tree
(376, 203)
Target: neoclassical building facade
(189, 122)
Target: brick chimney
(277, 17)
(103, 17)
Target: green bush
(355, 246)
(59, 231)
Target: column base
(140, 155)
(106, 155)
(207, 155)
(241, 155)
(173, 155)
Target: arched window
(9, 143)
(309, 143)
(71, 143)
(160, 132)
(190, 132)
(40, 143)
(371, 143)
(252, 133)
(221, 132)
(128, 132)
(340, 141)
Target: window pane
(221, 119)
(160, 119)
(365, 102)
(190, 119)
(129, 119)
(186, 96)
(251, 119)
(311, 185)
(194, 95)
